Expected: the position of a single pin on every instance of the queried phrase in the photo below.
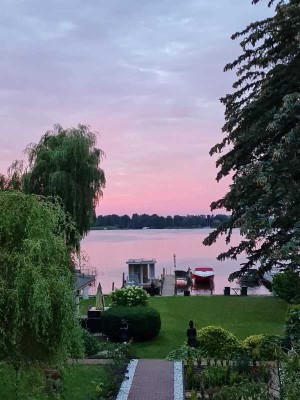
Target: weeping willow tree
(14, 178)
(66, 164)
(38, 324)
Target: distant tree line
(158, 222)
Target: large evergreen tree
(65, 163)
(262, 143)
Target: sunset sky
(145, 74)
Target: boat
(202, 274)
(181, 282)
(182, 278)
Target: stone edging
(127, 382)
(178, 381)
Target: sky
(147, 75)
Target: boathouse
(141, 271)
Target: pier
(168, 288)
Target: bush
(129, 296)
(143, 322)
(184, 353)
(292, 324)
(262, 347)
(290, 378)
(287, 286)
(90, 343)
(216, 342)
(253, 390)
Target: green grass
(243, 316)
(79, 382)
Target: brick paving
(153, 380)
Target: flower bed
(244, 372)
(227, 380)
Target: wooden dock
(168, 288)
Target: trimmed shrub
(287, 286)
(143, 322)
(129, 296)
(90, 343)
(216, 342)
(292, 323)
(262, 347)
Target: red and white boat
(181, 283)
(203, 274)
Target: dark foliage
(143, 322)
(292, 324)
(159, 222)
(262, 144)
(287, 286)
(91, 344)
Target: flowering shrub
(185, 353)
(130, 296)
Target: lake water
(108, 251)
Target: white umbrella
(100, 298)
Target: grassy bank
(243, 316)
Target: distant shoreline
(110, 228)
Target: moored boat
(202, 274)
(181, 283)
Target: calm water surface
(108, 252)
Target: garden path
(154, 380)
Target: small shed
(141, 269)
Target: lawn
(242, 316)
(79, 382)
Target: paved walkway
(153, 380)
(168, 286)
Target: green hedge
(143, 322)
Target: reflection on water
(108, 252)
